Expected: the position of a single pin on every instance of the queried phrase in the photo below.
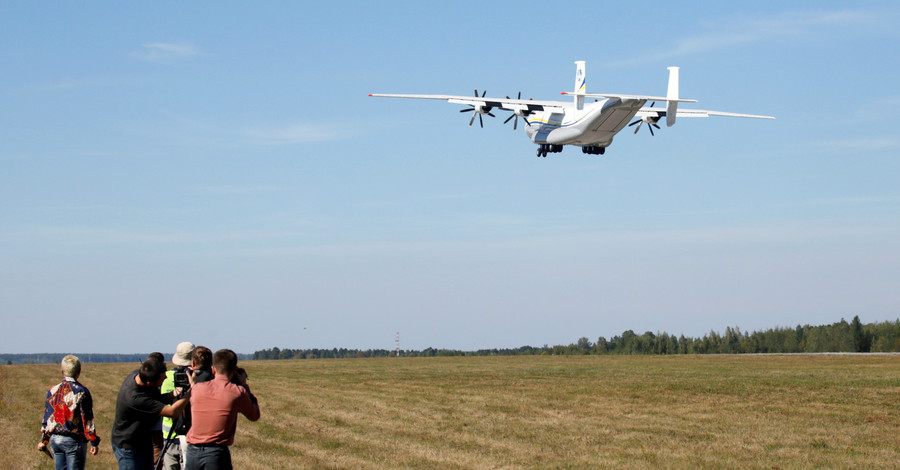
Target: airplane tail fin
(671, 95)
(580, 86)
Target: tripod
(177, 423)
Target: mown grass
(530, 412)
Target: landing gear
(544, 149)
(593, 150)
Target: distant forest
(838, 337)
(55, 358)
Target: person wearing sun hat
(173, 459)
(182, 356)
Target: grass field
(832, 411)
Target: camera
(239, 372)
(181, 378)
(181, 381)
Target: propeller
(478, 110)
(517, 113)
(650, 120)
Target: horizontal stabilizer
(681, 112)
(628, 97)
(706, 113)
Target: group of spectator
(160, 421)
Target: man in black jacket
(139, 406)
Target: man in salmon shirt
(214, 408)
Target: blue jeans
(134, 459)
(208, 457)
(68, 452)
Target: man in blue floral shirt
(68, 424)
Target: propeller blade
(517, 117)
(480, 121)
(512, 116)
(473, 119)
(640, 122)
(467, 110)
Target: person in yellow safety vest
(173, 457)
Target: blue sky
(217, 173)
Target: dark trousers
(208, 457)
(134, 459)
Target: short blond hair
(71, 366)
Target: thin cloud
(294, 134)
(87, 236)
(875, 106)
(729, 235)
(65, 84)
(213, 132)
(843, 201)
(71, 83)
(166, 52)
(868, 144)
(236, 190)
(728, 33)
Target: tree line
(837, 337)
(50, 358)
(55, 358)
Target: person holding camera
(68, 423)
(156, 433)
(196, 362)
(174, 428)
(201, 364)
(139, 406)
(214, 409)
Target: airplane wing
(649, 111)
(508, 104)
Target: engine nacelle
(651, 119)
(483, 109)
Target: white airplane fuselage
(594, 124)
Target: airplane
(589, 125)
